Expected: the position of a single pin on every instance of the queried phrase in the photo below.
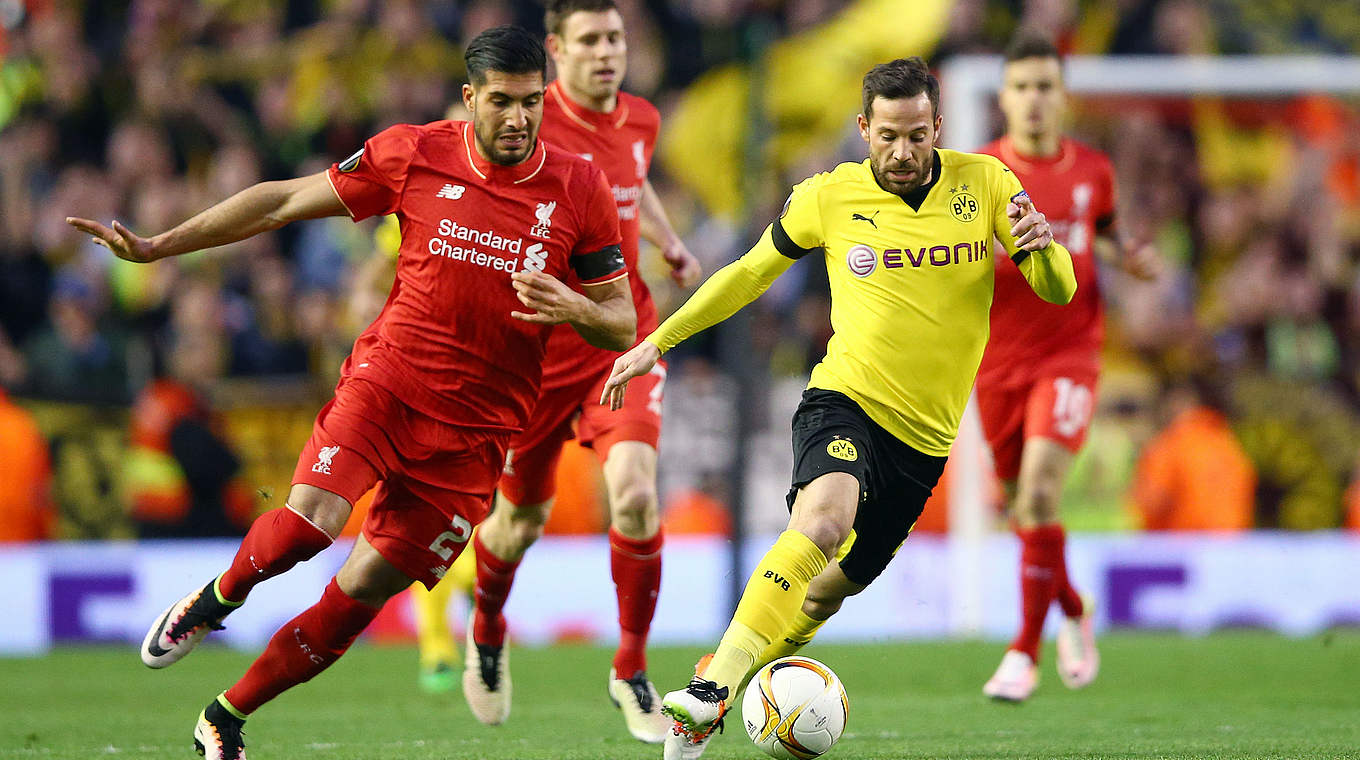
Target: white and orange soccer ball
(795, 708)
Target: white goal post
(969, 85)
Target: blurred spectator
(181, 475)
(1194, 475)
(700, 511)
(76, 358)
(26, 509)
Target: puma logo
(863, 218)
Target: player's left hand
(685, 267)
(1029, 226)
(637, 362)
(551, 300)
(1143, 261)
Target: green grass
(1241, 695)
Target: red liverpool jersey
(1075, 190)
(445, 342)
(620, 143)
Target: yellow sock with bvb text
(772, 599)
(796, 636)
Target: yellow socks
(772, 600)
(795, 637)
(432, 626)
(431, 608)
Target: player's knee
(323, 509)
(1037, 504)
(828, 531)
(526, 523)
(633, 510)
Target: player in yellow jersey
(907, 237)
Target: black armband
(785, 245)
(598, 264)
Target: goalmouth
(970, 84)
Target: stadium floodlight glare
(969, 84)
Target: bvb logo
(964, 207)
(842, 449)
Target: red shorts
(1055, 404)
(437, 478)
(530, 475)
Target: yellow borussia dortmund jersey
(911, 288)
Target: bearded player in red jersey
(493, 220)
(1036, 385)
(586, 113)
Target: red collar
(1016, 160)
(585, 117)
(520, 172)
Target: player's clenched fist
(637, 362)
(119, 239)
(551, 300)
(1029, 226)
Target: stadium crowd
(148, 110)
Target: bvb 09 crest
(963, 205)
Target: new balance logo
(323, 459)
(544, 214)
(778, 579)
(452, 192)
(863, 218)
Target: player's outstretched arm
(258, 208)
(603, 315)
(721, 296)
(656, 227)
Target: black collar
(918, 196)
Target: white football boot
(1078, 659)
(1015, 679)
(179, 629)
(641, 707)
(486, 680)
(698, 710)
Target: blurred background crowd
(172, 399)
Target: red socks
(1042, 567)
(303, 647)
(495, 576)
(277, 540)
(636, 568)
(1068, 598)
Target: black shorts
(831, 433)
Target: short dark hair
(557, 11)
(902, 78)
(507, 49)
(1029, 43)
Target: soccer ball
(795, 708)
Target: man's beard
(505, 157)
(895, 187)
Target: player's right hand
(637, 362)
(119, 239)
(1030, 227)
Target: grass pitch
(1239, 695)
